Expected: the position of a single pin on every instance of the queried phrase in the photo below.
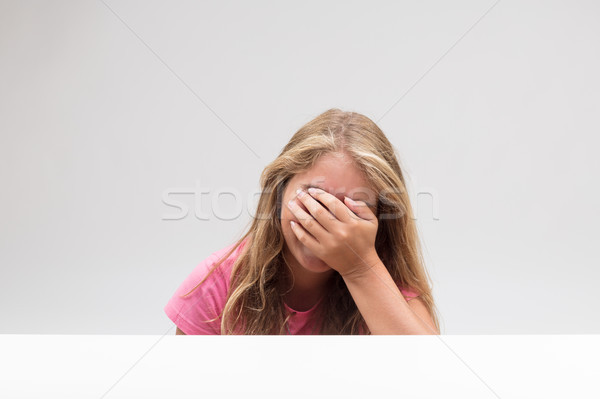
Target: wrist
(364, 269)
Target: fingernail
(300, 193)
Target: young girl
(332, 249)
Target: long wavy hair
(260, 276)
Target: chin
(309, 261)
(304, 256)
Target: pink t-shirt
(192, 313)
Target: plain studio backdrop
(112, 110)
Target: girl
(333, 248)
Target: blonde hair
(260, 276)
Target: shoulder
(197, 303)
(221, 261)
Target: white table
(127, 366)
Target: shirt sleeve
(409, 293)
(199, 312)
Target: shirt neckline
(304, 312)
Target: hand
(343, 233)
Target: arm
(383, 306)
(346, 242)
(179, 332)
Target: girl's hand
(342, 234)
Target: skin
(326, 232)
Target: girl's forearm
(382, 305)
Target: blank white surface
(508, 367)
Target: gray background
(105, 107)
